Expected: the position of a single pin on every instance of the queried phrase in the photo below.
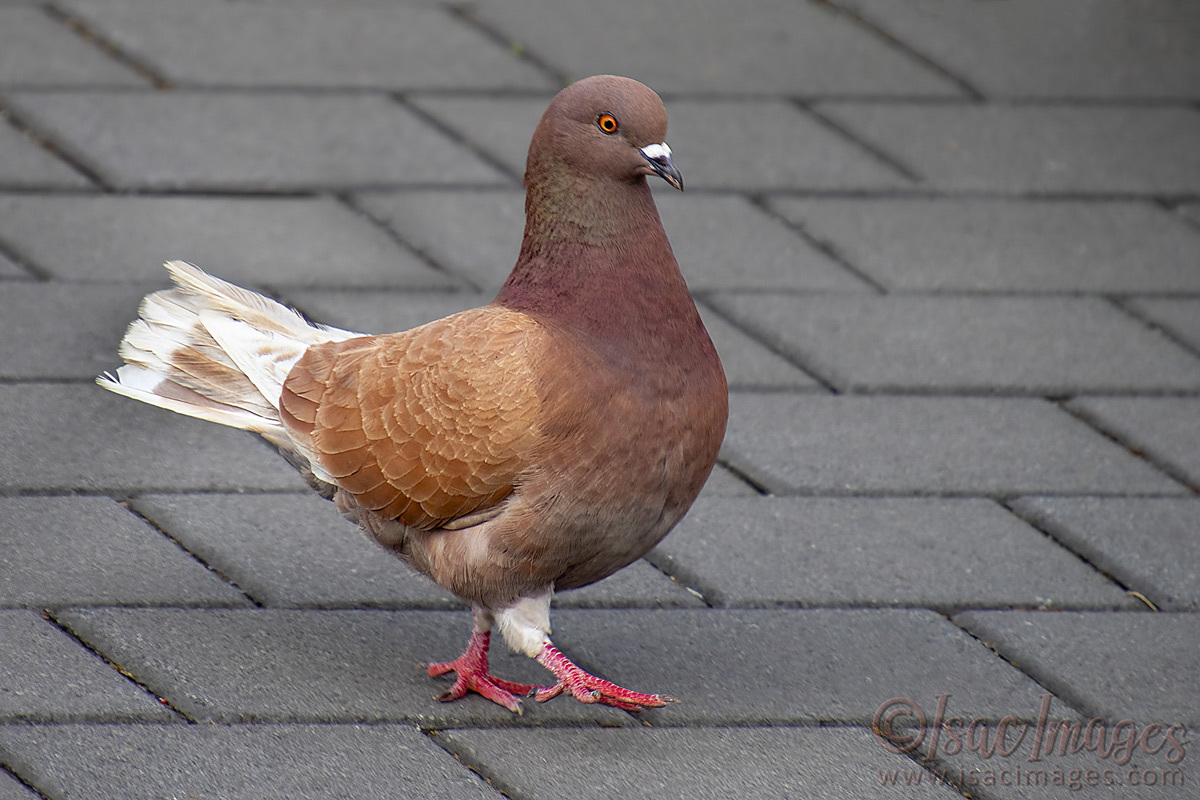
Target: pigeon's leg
(472, 673)
(526, 628)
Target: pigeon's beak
(659, 158)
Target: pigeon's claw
(472, 675)
(587, 688)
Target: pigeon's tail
(215, 351)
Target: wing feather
(424, 426)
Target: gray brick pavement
(1021, 345)
(1149, 677)
(1178, 316)
(1147, 543)
(289, 551)
(763, 552)
(1005, 245)
(924, 205)
(302, 45)
(47, 333)
(1024, 149)
(707, 763)
(10, 270)
(150, 762)
(24, 165)
(49, 560)
(928, 445)
(35, 50)
(1078, 49)
(280, 241)
(13, 789)
(277, 666)
(64, 437)
(1164, 428)
(213, 141)
(775, 668)
(49, 677)
(784, 48)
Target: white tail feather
(150, 387)
(215, 351)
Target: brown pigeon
(536, 444)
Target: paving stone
(1084, 48)
(259, 762)
(1179, 316)
(784, 667)
(749, 365)
(937, 553)
(1149, 544)
(977, 244)
(38, 51)
(10, 270)
(783, 48)
(25, 165)
(637, 586)
(230, 140)
(475, 235)
(718, 144)
(63, 437)
(695, 763)
(720, 241)
(274, 666)
(281, 241)
(291, 551)
(723, 483)
(310, 44)
(1028, 345)
(724, 242)
(12, 789)
(501, 127)
(1191, 211)
(928, 445)
(1166, 429)
(1128, 149)
(747, 362)
(52, 330)
(1148, 678)
(47, 677)
(60, 551)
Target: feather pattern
(212, 350)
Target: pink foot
(473, 675)
(588, 688)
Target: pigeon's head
(605, 127)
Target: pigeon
(535, 444)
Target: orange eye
(607, 123)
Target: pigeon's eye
(607, 123)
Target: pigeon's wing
(424, 426)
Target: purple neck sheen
(595, 259)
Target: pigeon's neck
(561, 207)
(595, 259)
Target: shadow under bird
(536, 444)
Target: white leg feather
(525, 625)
